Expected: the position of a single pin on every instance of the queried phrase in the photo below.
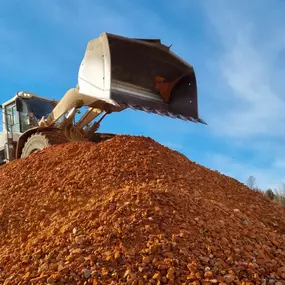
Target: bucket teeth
(165, 113)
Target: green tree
(270, 194)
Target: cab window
(12, 118)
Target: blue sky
(236, 47)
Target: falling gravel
(131, 211)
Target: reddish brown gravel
(131, 211)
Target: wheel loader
(116, 73)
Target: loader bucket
(141, 74)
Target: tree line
(277, 195)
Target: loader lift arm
(68, 107)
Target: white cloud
(249, 73)
(246, 64)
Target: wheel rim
(35, 150)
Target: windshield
(32, 110)
(39, 107)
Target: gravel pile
(131, 211)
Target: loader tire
(39, 141)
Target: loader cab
(31, 110)
(20, 114)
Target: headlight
(24, 94)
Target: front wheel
(39, 141)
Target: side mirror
(19, 105)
